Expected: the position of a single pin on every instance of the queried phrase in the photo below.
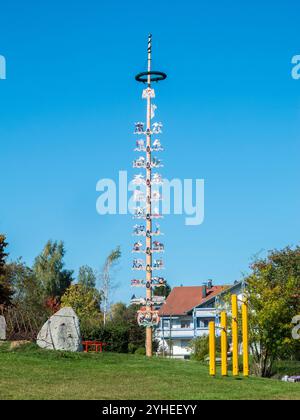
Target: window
(185, 323)
(166, 324)
(204, 322)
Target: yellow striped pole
(224, 346)
(212, 348)
(235, 338)
(245, 338)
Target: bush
(115, 336)
(200, 348)
(122, 332)
(132, 348)
(140, 351)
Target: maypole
(147, 315)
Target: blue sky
(231, 113)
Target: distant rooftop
(183, 299)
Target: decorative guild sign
(148, 318)
(138, 283)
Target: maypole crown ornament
(155, 76)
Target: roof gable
(183, 299)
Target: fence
(21, 324)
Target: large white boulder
(61, 332)
(2, 328)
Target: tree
(118, 312)
(84, 300)
(49, 270)
(27, 289)
(274, 299)
(87, 276)
(126, 317)
(163, 291)
(106, 278)
(200, 347)
(6, 291)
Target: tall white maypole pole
(149, 202)
(148, 316)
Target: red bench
(93, 346)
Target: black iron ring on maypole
(155, 76)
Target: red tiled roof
(183, 299)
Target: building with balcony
(186, 314)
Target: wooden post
(235, 338)
(224, 344)
(245, 338)
(212, 348)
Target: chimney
(209, 284)
(204, 291)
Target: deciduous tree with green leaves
(6, 290)
(273, 292)
(84, 300)
(28, 292)
(87, 276)
(163, 291)
(49, 270)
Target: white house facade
(186, 315)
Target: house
(186, 315)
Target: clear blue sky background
(231, 112)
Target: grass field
(31, 373)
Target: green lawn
(30, 373)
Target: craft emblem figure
(157, 128)
(157, 179)
(158, 246)
(139, 196)
(139, 128)
(157, 147)
(139, 180)
(148, 93)
(138, 283)
(156, 196)
(158, 265)
(137, 247)
(138, 264)
(140, 146)
(140, 213)
(139, 163)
